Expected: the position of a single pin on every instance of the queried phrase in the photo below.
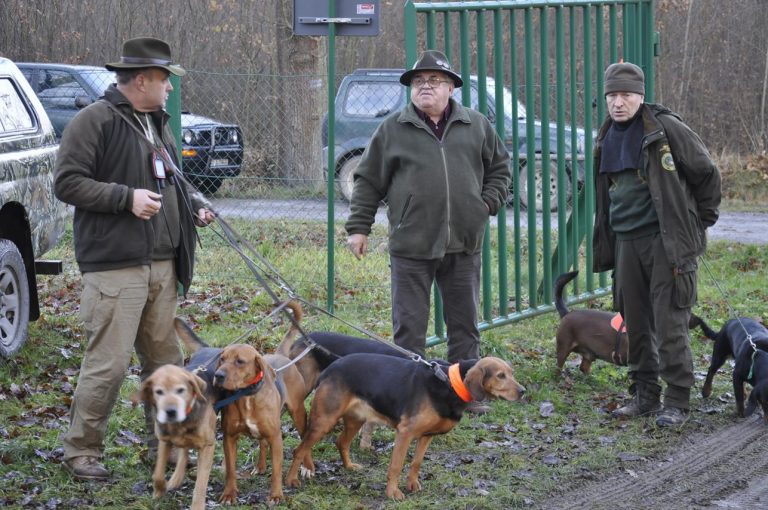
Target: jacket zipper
(405, 211)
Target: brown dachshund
(406, 394)
(590, 333)
(257, 412)
(184, 419)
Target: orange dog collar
(457, 384)
(256, 379)
(617, 323)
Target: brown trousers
(122, 310)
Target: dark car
(31, 218)
(368, 96)
(211, 150)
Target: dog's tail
(696, 321)
(285, 345)
(191, 341)
(560, 283)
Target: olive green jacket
(685, 188)
(440, 192)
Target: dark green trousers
(656, 305)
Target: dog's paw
(306, 473)
(395, 493)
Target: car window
(14, 115)
(372, 99)
(58, 89)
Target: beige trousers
(122, 310)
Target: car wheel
(14, 299)
(346, 183)
(523, 184)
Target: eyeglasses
(433, 82)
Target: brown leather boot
(86, 467)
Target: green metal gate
(548, 57)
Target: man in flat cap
(444, 171)
(134, 233)
(657, 191)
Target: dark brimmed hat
(624, 77)
(144, 52)
(431, 60)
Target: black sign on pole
(353, 17)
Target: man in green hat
(444, 171)
(657, 190)
(134, 233)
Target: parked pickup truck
(368, 96)
(31, 218)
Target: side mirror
(82, 101)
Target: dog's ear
(198, 386)
(475, 381)
(261, 365)
(144, 393)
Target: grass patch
(514, 457)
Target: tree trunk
(300, 68)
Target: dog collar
(617, 323)
(454, 375)
(252, 387)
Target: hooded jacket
(101, 161)
(684, 184)
(440, 192)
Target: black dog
(751, 361)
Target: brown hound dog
(257, 413)
(260, 394)
(184, 418)
(407, 395)
(591, 333)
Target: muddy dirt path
(727, 468)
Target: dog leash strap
(242, 392)
(727, 303)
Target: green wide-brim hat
(431, 60)
(143, 52)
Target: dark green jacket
(684, 184)
(437, 190)
(101, 161)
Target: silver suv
(31, 218)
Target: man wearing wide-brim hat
(444, 171)
(134, 233)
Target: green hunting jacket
(684, 184)
(101, 161)
(440, 192)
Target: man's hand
(204, 217)
(358, 243)
(145, 203)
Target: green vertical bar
(173, 107)
(409, 19)
(650, 61)
(530, 166)
(482, 99)
(578, 198)
(515, 159)
(447, 45)
(599, 68)
(429, 19)
(546, 156)
(562, 243)
(589, 195)
(466, 97)
(501, 218)
(331, 184)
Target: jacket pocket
(404, 212)
(685, 290)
